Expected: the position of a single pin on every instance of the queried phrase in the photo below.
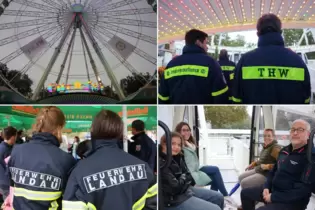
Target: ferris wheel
(76, 44)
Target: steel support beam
(52, 61)
(103, 61)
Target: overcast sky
(78, 71)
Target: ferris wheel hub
(77, 8)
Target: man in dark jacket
(271, 74)
(227, 67)
(143, 146)
(286, 187)
(194, 77)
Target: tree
(20, 81)
(225, 116)
(292, 36)
(134, 82)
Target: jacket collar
(289, 149)
(272, 38)
(45, 138)
(193, 49)
(271, 144)
(136, 136)
(6, 144)
(100, 143)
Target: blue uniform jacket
(285, 179)
(193, 78)
(109, 178)
(271, 74)
(39, 171)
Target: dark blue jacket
(109, 178)
(39, 171)
(271, 74)
(285, 179)
(228, 68)
(5, 151)
(193, 78)
(143, 148)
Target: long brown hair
(178, 129)
(173, 134)
(50, 119)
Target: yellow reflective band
(163, 98)
(91, 206)
(307, 101)
(74, 205)
(237, 100)
(140, 203)
(232, 76)
(152, 191)
(54, 205)
(273, 72)
(220, 92)
(36, 195)
(186, 70)
(227, 68)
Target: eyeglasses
(185, 130)
(298, 130)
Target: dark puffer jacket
(176, 180)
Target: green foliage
(227, 116)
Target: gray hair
(308, 126)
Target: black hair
(193, 35)
(138, 125)
(8, 132)
(268, 23)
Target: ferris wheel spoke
(63, 3)
(131, 22)
(19, 51)
(25, 34)
(118, 4)
(116, 54)
(126, 12)
(35, 5)
(52, 3)
(136, 50)
(128, 32)
(26, 23)
(29, 13)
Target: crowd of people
(269, 74)
(38, 174)
(282, 177)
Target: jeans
(250, 195)
(217, 182)
(203, 199)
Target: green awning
(79, 118)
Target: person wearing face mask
(286, 186)
(39, 169)
(206, 175)
(256, 172)
(193, 77)
(177, 182)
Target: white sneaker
(230, 201)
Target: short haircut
(193, 35)
(8, 132)
(307, 125)
(268, 23)
(138, 125)
(223, 53)
(107, 125)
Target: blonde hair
(49, 119)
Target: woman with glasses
(256, 172)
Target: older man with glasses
(285, 188)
